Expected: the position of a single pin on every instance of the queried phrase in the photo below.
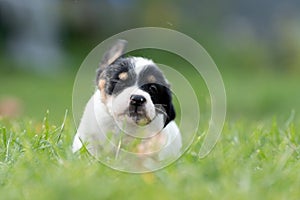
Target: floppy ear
(170, 113)
(113, 53)
(169, 107)
(116, 51)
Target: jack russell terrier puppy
(131, 110)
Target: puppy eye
(153, 89)
(115, 81)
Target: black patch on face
(159, 91)
(114, 85)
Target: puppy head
(134, 90)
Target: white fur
(140, 63)
(96, 123)
(119, 104)
(104, 125)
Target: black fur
(113, 84)
(159, 91)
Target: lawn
(251, 161)
(257, 156)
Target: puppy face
(136, 93)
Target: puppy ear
(170, 113)
(169, 108)
(116, 51)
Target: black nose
(137, 100)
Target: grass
(259, 160)
(257, 156)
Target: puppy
(131, 111)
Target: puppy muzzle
(137, 110)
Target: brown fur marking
(151, 79)
(101, 87)
(123, 76)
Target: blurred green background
(255, 44)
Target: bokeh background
(255, 44)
